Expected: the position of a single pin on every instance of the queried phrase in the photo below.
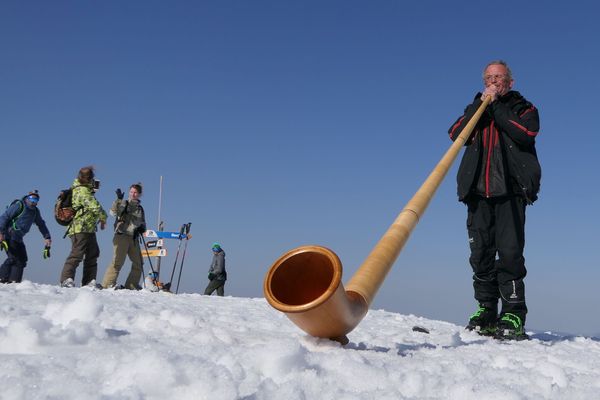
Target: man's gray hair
(499, 62)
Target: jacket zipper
(490, 145)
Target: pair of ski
(184, 233)
(422, 329)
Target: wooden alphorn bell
(305, 283)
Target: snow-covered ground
(79, 343)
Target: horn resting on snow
(306, 282)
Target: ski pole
(159, 259)
(143, 273)
(181, 233)
(149, 260)
(142, 266)
(187, 238)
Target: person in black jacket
(217, 275)
(498, 177)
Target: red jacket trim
(521, 127)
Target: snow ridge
(83, 343)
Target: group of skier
(87, 215)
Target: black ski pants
(496, 228)
(16, 261)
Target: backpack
(21, 211)
(63, 208)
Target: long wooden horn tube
(305, 283)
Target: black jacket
(500, 156)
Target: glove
(119, 193)
(46, 253)
(4, 245)
(211, 276)
(141, 229)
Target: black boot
(484, 320)
(511, 327)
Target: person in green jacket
(82, 230)
(130, 223)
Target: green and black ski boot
(510, 327)
(484, 320)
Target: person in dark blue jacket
(14, 225)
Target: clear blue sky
(277, 124)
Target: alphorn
(305, 283)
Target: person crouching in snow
(216, 273)
(151, 282)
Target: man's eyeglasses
(489, 78)
(33, 199)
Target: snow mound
(82, 343)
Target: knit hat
(216, 247)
